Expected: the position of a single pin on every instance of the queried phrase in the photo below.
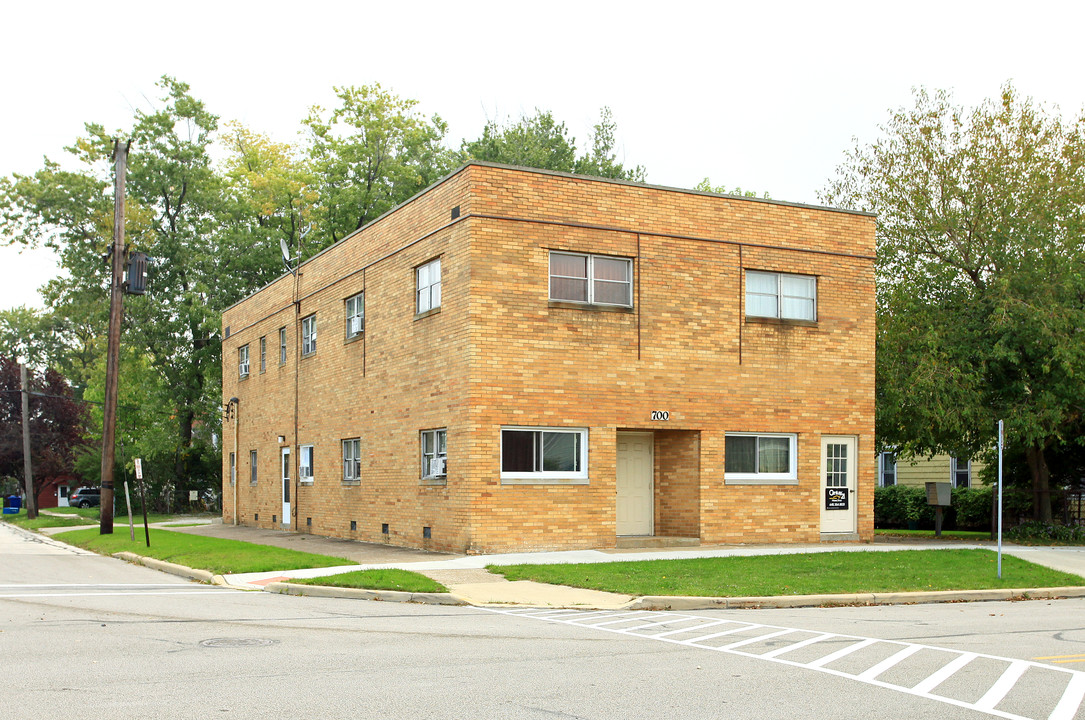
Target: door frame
(651, 484)
(285, 472)
(844, 522)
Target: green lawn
(403, 580)
(195, 551)
(85, 516)
(800, 574)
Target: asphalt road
(88, 636)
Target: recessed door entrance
(838, 482)
(62, 496)
(286, 486)
(635, 508)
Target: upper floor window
(591, 279)
(282, 346)
(759, 457)
(887, 469)
(428, 286)
(263, 354)
(434, 453)
(355, 314)
(305, 463)
(243, 361)
(961, 471)
(780, 295)
(352, 460)
(540, 453)
(308, 335)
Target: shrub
(1035, 532)
(897, 505)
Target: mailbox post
(938, 495)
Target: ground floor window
(542, 453)
(887, 469)
(961, 472)
(759, 458)
(305, 463)
(252, 467)
(434, 454)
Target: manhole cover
(236, 642)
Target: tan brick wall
(498, 353)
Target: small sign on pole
(139, 468)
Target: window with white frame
(352, 460)
(355, 314)
(243, 362)
(961, 472)
(233, 468)
(760, 458)
(530, 453)
(252, 467)
(591, 279)
(428, 286)
(308, 335)
(263, 354)
(781, 295)
(434, 454)
(305, 463)
(282, 346)
(887, 469)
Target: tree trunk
(1041, 485)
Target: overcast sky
(766, 96)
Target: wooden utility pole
(113, 353)
(28, 475)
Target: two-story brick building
(518, 359)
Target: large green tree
(368, 155)
(981, 276)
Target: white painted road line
(939, 670)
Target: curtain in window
(568, 277)
(561, 452)
(611, 281)
(740, 454)
(774, 455)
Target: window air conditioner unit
(436, 467)
(244, 369)
(355, 325)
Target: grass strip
(217, 555)
(386, 579)
(800, 574)
(84, 516)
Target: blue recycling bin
(12, 504)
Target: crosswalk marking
(687, 630)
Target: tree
(539, 141)
(57, 423)
(369, 155)
(707, 186)
(981, 295)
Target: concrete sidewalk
(470, 583)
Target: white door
(838, 460)
(635, 510)
(62, 496)
(286, 486)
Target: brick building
(517, 359)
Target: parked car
(86, 497)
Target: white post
(128, 501)
(999, 499)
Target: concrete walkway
(470, 583)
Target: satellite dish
(286, 254)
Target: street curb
(173, 569)
(360, 594)
(664, 602)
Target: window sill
(427, 313)
(433, 481)
(544, 481)
(305, 356)
(757, 320)
(351, 483)
(587, 307)
(305, 483)
(242, 377)
(353, 338)
(760, 481)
